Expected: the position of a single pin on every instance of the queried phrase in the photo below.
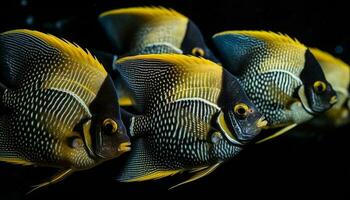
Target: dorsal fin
(324, 57)
(266, 36)
(144, 12)
(137, 27)
(192, 62)
(72, 50)
(163, 78)
(238, 49)
(20, 47)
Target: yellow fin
(154, 175)
(278, 133)
(16, 161)
(192, 63)
(198, 169)
(125, 101)
(71, 50)
(144, 12)
(55, 179)
(323, 56)
(198, 175)
(267, 36)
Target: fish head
(193, 43)
(316, 94)
(108, 134)
(337, 73)
(239, 114)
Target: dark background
(309, 163)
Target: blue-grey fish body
(194, 115)
(58, 104)
(279, 74)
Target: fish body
(280, 75)
(337, 73)
(149, 30)
(153, 30)
(58, 104)
(194, 115)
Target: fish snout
(124, 147)
(261, 123)
(333, 100)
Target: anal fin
(55, 179)
(7, 150)
(278, 133)
(142, 167)
(199, 175)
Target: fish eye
(199, 52)
(320, 87)
(110, 126)
(241, 109)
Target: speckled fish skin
(52, 104)
(277, 73)
(153, 30)
(187, 119)
(337, 73)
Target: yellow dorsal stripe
(323, 56)
(191, 62)
(154, 175)
(144, 12)
(267, 36)
(71, 50)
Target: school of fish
(162, 98)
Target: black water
(312, 163)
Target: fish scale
(186, 139)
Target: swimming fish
(153, 30)
(280, 75)
(58, 105)
(194, 116)
(149, 30)
(337, 73)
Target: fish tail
(141, 166)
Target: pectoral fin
(278, 133)
(55, 179)
(199, 175)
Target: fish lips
(315, 104)
(245, 129)
(100, 146)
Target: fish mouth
(124, 147)
(333, 100)
(261, 123)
